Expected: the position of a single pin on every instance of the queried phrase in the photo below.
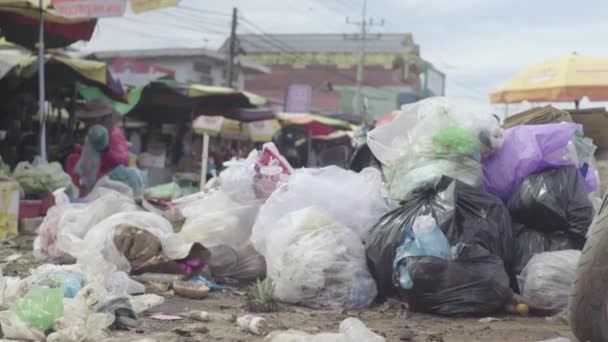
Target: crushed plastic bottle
(356, 331)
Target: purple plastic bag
(529, 149)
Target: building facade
(139, 67)
(394, 72)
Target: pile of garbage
(473, 204)
(464, 218)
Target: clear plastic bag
(217, 219)
(315, 261)
(237, 179)
(353, 199)
(440, 141)
(66, 218)
(547, 279)
(16, 329)
(101, 236)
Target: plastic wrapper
(11, 289)
(315, 261)
(167, 191)
(40, 307)
(464, 214)
(553, 200)
(66, 218)
(353, 199)
(256, 177)
(41, 178)
(16, 329)
(105, 183)
(474, 283)
(70, 278)
(528, 150)
(217, 219)
(431, 139)
(529, 242)
(237, 179)
(547, 279)
(94, 328)
(425, 239)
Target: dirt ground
(390, 319)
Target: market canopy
(316, 124)
(257, 131)
(566, 79)
(19, 23)
(22, 66)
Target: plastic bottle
(356, 331)
(253, 324)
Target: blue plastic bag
(424, 239)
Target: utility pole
(232, 51)
(362, 38)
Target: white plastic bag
(547, 278)
(442, 140)
(101, 236)
(353, 199)
(237, 179)
(15, 328)
(216, 219)
(315, 261)
(66, 218)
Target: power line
(184, 17)
(174, 25)
(151, 35)
(221, 14)
(283, 47)
(197, 16)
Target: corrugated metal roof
(387, 43)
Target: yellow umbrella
(257, 131)
(564, 79)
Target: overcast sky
(477, 43)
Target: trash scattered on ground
(253, 324)
(350, 330)
(190, 289)
(165, 317)
(489, 320)
(201, 316)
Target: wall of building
(185, 70)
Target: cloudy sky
(477, 43)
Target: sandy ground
(390, 319)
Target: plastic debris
(40, 307)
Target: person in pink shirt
(105, 147)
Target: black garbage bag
(528, 242)
(464, 214)
(553, 200)
(474, 284)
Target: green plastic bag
(40, 307)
